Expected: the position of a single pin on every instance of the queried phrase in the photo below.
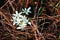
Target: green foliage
(41, 9)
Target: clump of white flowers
(21, 20)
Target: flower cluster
(21, 20)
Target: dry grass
(43, 27)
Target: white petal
(25, 8)
(18, 28)
(29, 8)
(16, 12)
(11, 20)
(29, 11)
(20, 13)
(13, 14)
(29, 23)
(23, 12)
(14, 17)
(13, 23)
(20, 16)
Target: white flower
(16, 18)
(22, 26)
(26, 20)
(26, 11)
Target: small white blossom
(16, 18)
(22, 26)
(26, 20)
(26, 11)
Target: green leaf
(57, 4)
(40, 10)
